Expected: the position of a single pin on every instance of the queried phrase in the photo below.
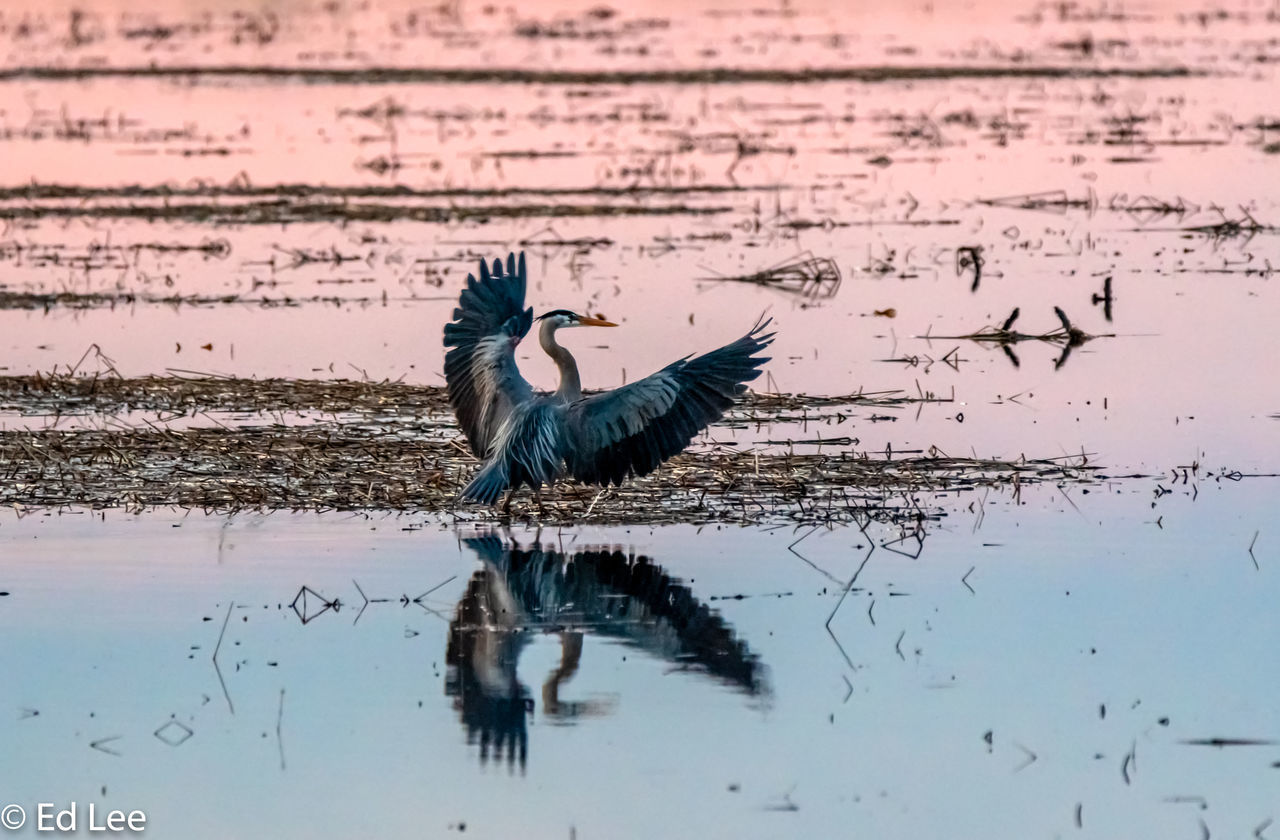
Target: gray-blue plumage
(480, 369)
(529, 438)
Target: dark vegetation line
(511, 75)
(46, 301)
(38, 191)
(72, 393)
(284, 210)
(390, 467)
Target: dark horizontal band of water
(37, 191)
(282, 211)
(517, 75)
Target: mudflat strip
(392, 446)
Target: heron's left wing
(630, 430)
(480, 369)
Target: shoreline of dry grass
(393, 446)
(351, 468)
(182, 392)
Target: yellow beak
(595, 322)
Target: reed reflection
(518, 592)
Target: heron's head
(564, 318)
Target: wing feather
(632, 429)
(480, 368)
(526, 450)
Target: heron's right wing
(480, 368)
(632, 429)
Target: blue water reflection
(518, 592)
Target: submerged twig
(1068, 336)
(807, 276)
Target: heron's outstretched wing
(526, 450)
(630, 430)
(480, 369)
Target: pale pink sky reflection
(888, 179)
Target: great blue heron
(532, 438)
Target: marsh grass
(391, 446)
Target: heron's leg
(570, 656)
(537, 494)
(506, 505)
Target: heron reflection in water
(518, 592)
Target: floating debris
(1054, 201)
(1106, 299)
(969, 259)
(174, 732)
(1068, 337)
(1146, 209)
(806, 276)
(1246, 226)
(1228, 742)
(308, 605)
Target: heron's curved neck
(570, 384)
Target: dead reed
(395, 449)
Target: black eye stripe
(555, 312)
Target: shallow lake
(1057, 223)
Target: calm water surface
(1048, 665)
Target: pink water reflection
(884, 178)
